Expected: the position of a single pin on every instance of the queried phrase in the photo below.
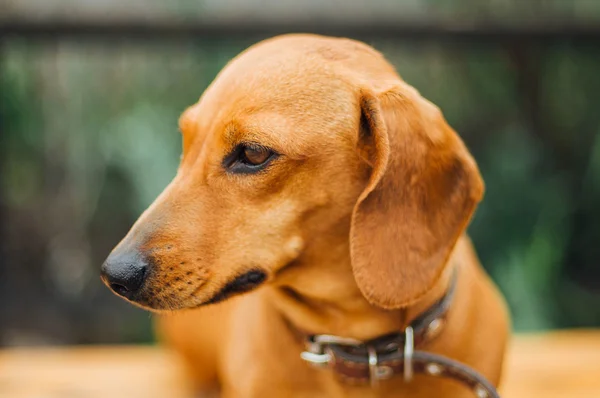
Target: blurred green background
(88, 130)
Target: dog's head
(296, 136)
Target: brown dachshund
(312, 171)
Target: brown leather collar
(381, 358)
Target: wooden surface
(560, 364)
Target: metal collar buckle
(381, 372)
(409, 348)
(317, 352)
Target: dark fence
(460, 32)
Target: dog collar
(359, 362)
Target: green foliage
(90, 139)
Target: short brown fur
(358, 225)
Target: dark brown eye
(255, 155)
(248, 158)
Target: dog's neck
(318, 295)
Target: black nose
(124, 273)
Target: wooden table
(559, 364)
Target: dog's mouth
(181, 294)
(243, 283)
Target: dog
(315, 178)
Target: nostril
(119, 289)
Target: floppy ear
(423, 189)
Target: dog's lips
(164, 297)
(156, 304)
(184, 293)
(243, 283)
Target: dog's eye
(255, 155)
(248, 158)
